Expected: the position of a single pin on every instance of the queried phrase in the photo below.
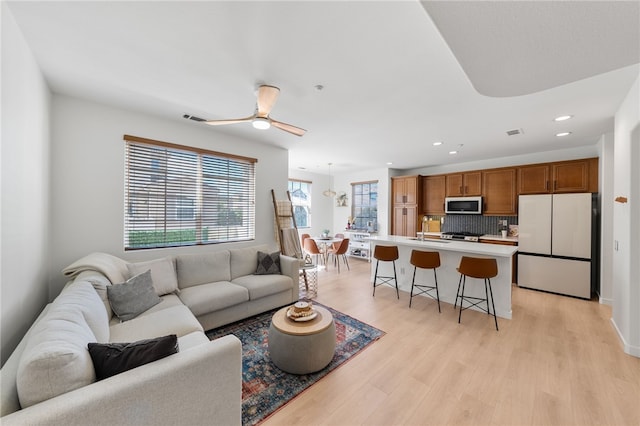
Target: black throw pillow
(110, 359)
(268, 263)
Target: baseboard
(629, 349)
(606, 301)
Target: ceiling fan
(267, 96)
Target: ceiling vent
(514, 132)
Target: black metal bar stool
(425, 260)
(482, 268)
(385, 254)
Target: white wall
(326, 215)
(606, 218)
(25, 186)
(321, 206)
(626, 225)
(343, 182)
(88, 178)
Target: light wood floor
(557, 362)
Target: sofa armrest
(290, 266)
(201, 385)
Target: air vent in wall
(514, 132)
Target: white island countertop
(450, 245)
(451, 251)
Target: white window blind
(177, 195)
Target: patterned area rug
(266, 388)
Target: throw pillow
(110, 359)
(132, 298)
(163, 274)
(268, 263)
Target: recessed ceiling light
(561, 134)
(563, 117)
(453, 152)
(438, 143)
(389, 163)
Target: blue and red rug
(266, 388)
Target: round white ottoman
(302, 347)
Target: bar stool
(477, 267)
(425, 260)
(385, 254)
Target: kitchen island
(450, 254)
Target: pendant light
(329, 192)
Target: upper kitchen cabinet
(464, 184)
(433, 193)
(534, 179)
(499, 192)
(571, 176)
(407, 197)
(405, 189)
(559, 177)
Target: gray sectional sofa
(50, 378)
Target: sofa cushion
(243, 261)
(130, 299)
(192, 340)
(163, 274)
(56, 359)
(203, 268)
(211, 297)
(168, 300)
(268, 263)
(100, 284)
(81, 296)
(264, 285)
(110, 359)
(178, 320)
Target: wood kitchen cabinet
(559, 177)
(433, 194)
(405, 221)
(464, 184)
(570, 176)
(405, 189)
(534, 179)
(500, 192)
(407, 200)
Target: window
(301, 200)
(364, 207)
(177, 195)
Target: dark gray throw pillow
(268, 263)
(110, 359)
(132, 298)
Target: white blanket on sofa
(114, 268)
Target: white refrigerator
(555, 243)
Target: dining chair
(311, 248)
(337, 243)
(340, 251)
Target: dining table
(323, 244)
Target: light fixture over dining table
(329, 192)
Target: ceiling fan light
(261, 123)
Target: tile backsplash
(475, 223)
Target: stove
(464, 236)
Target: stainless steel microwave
(463, 205)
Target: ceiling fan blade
(267, 97)
(232, 121)
(288, 128)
